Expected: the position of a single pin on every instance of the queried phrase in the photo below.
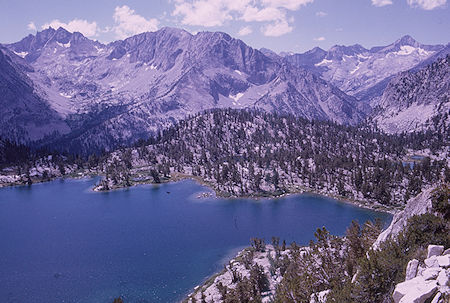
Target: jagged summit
(407, 40)
(405, 43)
(347, 48)
(62, 35)
(269, 53)
(338, 51)
(315, 50)
(33, 46)
(174, 31)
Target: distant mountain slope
(364, 73)
(116, 93)
(417, 100)
(24, 115)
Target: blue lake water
(60, 242)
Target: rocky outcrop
(238, 269)
(320, 297)
(415, 206)
(435, 250)
(411, 269)
(425, 281)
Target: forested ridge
(22, 164)
(255, 153)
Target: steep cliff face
(416, 206)
(24, 115)
(417, 100)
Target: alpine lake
(62, 242)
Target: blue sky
(281, 25)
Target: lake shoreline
(176, 177)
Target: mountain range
(365, 73)
(64, 90)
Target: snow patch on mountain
(408, 50)
(66, 45)
(236, 97)
(358, 66)
(21, 54)
(324, 62)
(65, 95)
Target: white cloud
(210, 13)
(426, 4)
(261, 15)
(89, 29)
(321, 14)
(246, 30)
(319, 39)
(207, 13)
(277, 29)
(380, 3)
(292, 5)
(129, 23)
(31, 26)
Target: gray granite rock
(411, 269)
(443, 278)
(431, 262)
(434, 250)
(415, 206)
(431, 273)
(436, 298)
(416, 290)
(443, 261)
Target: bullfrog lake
(61, 242)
